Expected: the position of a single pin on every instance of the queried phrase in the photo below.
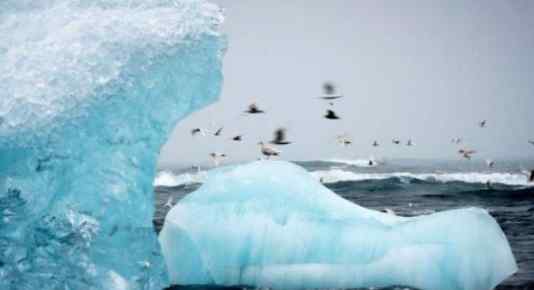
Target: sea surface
(410, 188)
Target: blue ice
(271, 224)
(89, 92)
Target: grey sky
(426, 70)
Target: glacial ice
(89, 91)
(271, 224)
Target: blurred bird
(268, 150)
(466, 153)
(531, 177)
(490, 163)
(217, 158)
(395, 141)
(409, 143)
(238, 138)
(331, 115)
(196, 131)
(344, 140)
(253, 109)
(456, 140)
(531, 142)
(482, 123)
(279, 137)
(389, 211)
(375, 144)
(218, 132)
(169, 202)
(330, 92)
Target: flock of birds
(280, 135)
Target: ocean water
(410, 188)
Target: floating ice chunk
(271, 224)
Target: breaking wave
(170, 179)
(338, 175)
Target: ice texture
(89, 92)
(271, 224)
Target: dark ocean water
(411, 188)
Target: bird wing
(279, 135)
(218, 132)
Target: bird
(343, 140)
(237, 138)
(217, 158)
(482, 123)
(218, 132)
(268, 150)
(531, 142)
(331, 115)
(409, 142)
(375, 144)
(395, 141)
(253, 109)
(466, 153)
(371, 162)
(531, 176)
(490, 163)
(196, 131)
(169, 202)
(330, 92)
(456, 140)
(389, 211)
(279, 137)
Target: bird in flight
(344, 140)
(490, 163)
(217, 158)
(466, 153)
(254, 109)
(237, 138)
(331, 115)
(196, 131)
(482, 123)
(268, 150)
(218, 132)
(375, 144)
(409, 143)
(279, 137)
(531, 142)
(395, 141)
(456, 140)
(330, 92)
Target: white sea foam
(169, 179)
(355, 162)
(338, 175)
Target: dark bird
(253, 109)
(409, 143)
(196, 131)
(279, 137)
(330, 92)
(531, 177)
(375, 144)
(395, 141)
(331, 115)
(531, 142)
(237, 138)
(218, 132)
(482, 123)
(490, 163)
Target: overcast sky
(426, 70)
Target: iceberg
(89, 92)
(272, 224)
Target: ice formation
(89, 91)
(271, 224)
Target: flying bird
(218, 132)
(331, 115)
(279, 137)
(531, 177)
(217, 158)
(482, 123)
(253, 109)
(490, 163)
(531, 142)
(343, 140)
(237, 138)
(196, 131)
(375, 144)
(409, 143)
(268, 150)
(330, 92)
(466, 153)
(456, 140)
(396, 141)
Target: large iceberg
(89, 92)
(271, 224)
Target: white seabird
(268, 150)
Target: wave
(338, 175)
(169, 179)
